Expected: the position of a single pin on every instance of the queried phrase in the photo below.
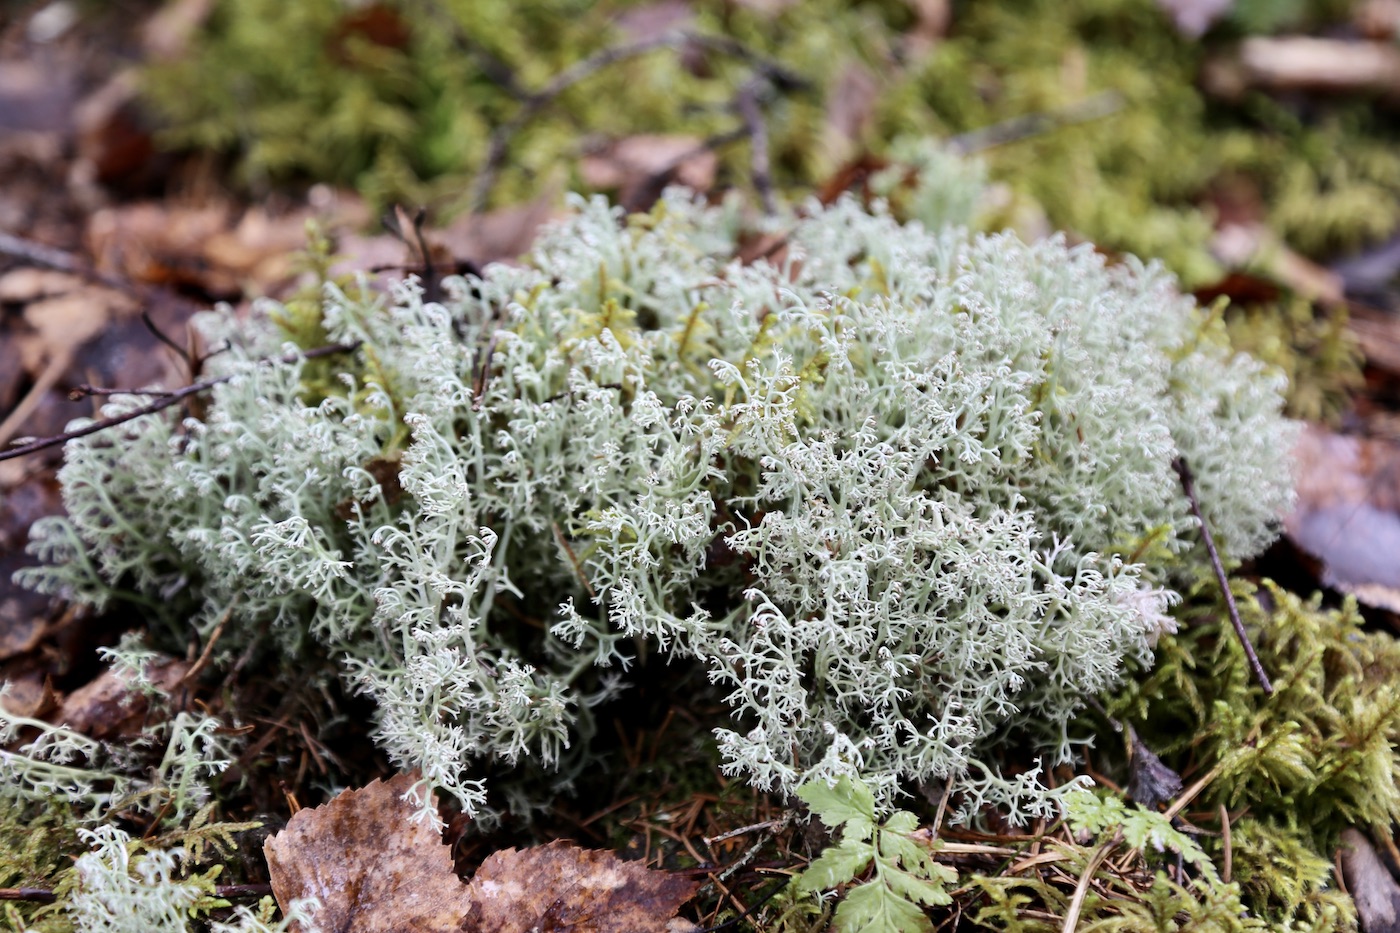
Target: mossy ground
(407, 115)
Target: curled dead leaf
(375, 869)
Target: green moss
(400, 102)
(1294, 769)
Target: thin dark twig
(746, 102)
(49, 257)
(164, 338)
(161, 403)
(499, 145)
(748, 912)
(1033, 124)
(783, 77)
(424, 253)
(483, 371)
(231, 891)
(79, 392)
(41, 895)
(1188, 484)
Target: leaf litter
(375, 868)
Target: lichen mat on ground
(901, 492)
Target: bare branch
(48, 257)
(162, 402)
(1188, 484)
(1033, 124)
(746, 102)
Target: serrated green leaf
(902, 822)
(874, 908)
(836, 865)
(896, 850)
(919, 890)
(1152, 832)
(845, 804)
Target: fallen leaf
(26, 284)
(1370, 884)
(560, 887)
(150, 242)
(1151, 782)
(1253, 245)
(375, 869)
(638, 167)
(1348, 513)
(500, 236)
(108, 707)
(115, 146)
(211, 248)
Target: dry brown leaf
(212, 247)
(1348, 513)
(375, 869)
(560, 887)
(107, 707)
(639, 167)
(636, 158)
(499, 236)
(65, 322)
(26, 284)
(151, 242)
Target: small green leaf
(898, 850)
(874, 908)
(845, 804)
(919, 890)
(836, 865)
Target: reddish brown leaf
(375, 869)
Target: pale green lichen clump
(884, 488)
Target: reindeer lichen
(889, 487)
